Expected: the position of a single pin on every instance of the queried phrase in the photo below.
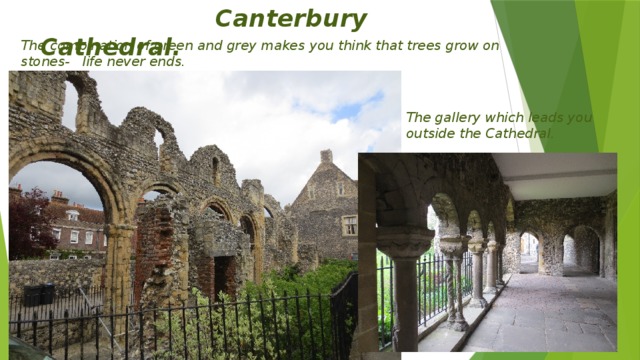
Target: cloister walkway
(577, 312)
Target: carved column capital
(454, 246)
(492, 246)
(404, 242)
(477, 245)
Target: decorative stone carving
(453, 248)
(404, 241)
(405, 244)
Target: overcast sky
(272, 125)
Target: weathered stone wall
(281, 237)
(587, 249)
(609, 250)
(64, 274)
(123, 163)
(214, 242)
(551, 220)
(162, 264)
(319, 209)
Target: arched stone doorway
(582, 250)
(529, 253)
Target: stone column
(118, 273)
(453, 249)
(491, 268)
(499, 249)
(405, 244)
(477, 246)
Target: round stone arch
(91, 166)
(249, 227)
(448, 220)
(588, 249)
(118, 214)
(220, 206)
(474, 225)
(542, 266)
(159, 186)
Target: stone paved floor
(577, 312)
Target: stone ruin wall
(123, 163)
(551, 220)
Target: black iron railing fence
(31, 304)
(290, 326)
(432, 290)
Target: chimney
(15, 192)
(57, 198)
(326, 156)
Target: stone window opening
(340, 186)
(158, 139)
(70, 107)
(218, 210)
(215, 173)
(350, 225)
(73, 238)
(56, 233)
(311, 192)
(267, 213)
(73, 257)
(88, 238)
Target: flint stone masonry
(318, 211)
(123, 163)
(64, 274)
(549, 221)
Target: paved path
(577, 312)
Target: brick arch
(88, 164)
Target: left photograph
(189, 215)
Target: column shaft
(477, 299)
(450, 292)
(461, 323)
(491, 269)
(405, 335)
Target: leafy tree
(30, 233)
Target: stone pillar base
(460, 325)
(490, 290)
(478, 303)
(500, 282)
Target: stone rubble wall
(162, 252)
(123, 162)
(64, 274)
(551, 220)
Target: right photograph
(508, 252)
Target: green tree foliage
(287, 316)
(30, 233)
